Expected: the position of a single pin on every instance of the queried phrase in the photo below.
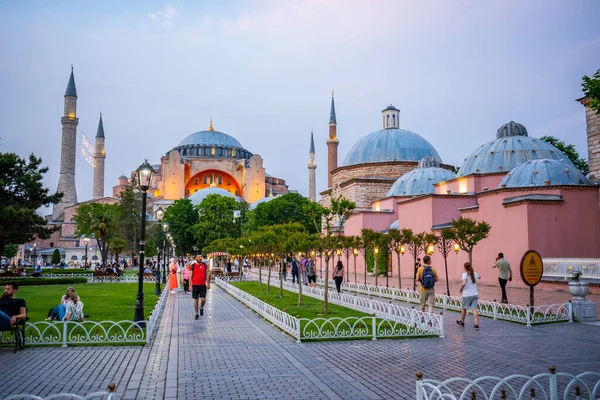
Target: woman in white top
(470, 296)
(74, 310)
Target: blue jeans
(4, 320)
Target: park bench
(105, 276)
(18, 331)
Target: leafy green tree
(342, 209)
(100, 221)
(215, 219)
(569, 151)
(591, 90)
(289, 208)
(55, 257)
(21, 194)
(10, 250)
(181, 217)
(467, 233)
(117, 246)
(130, 217)
(398, 238)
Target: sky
(264, 71)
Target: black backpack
(427, 278)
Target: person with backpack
(311, 273)
(200, 277)
(295, 271)
(427, 276)
(470, 296)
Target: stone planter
(578, 290)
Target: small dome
(390, 107)
(391, 144)
(544, 172)
(122, 177)
(511, 129)
(260, 201)
(210, 138)
(511, 148)
(395, 224)
(200, 195)
(419, 181)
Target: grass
(311, 309)
(102, 301)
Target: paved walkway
(233, 354)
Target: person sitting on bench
(11, 308)
(74, 309)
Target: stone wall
(382, 169)
(593, 134)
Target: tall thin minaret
(332, 143)
(312, 166)
(66, 182)
(99, 156)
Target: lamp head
(144, 175)
(160, 213)
(456, 248)
(430, 249)
(355, 251)
(376, 250)
(339, 252)
(402, 250)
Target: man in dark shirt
(11, 308)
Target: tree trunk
(326, 289)
(300, 285)
(269, 280)
(281, 278)
(260, 276)
(470, 253)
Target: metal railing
(551, 385)
(109, 394)
(156, 314)
(561, 269)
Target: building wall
(383, 169)
(254, 180)
(593, 135)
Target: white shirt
(470, 288)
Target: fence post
(298, 329)
(420, 394)
(64, 344)
(528, 316)
(442, 326)
(553, 385)
(374, 327)
(570, 310)
(495, 309)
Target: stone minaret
(66, 182)
(312, 166)
(99, 156)
(332, 143)
(592, 121)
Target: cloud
(165, 17)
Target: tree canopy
(467, 233)
(21, 194)
(215, 219)
(181, 217)
(100, 221)
(289, 208)
(569, 151)
(591, 90)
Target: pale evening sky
(264, 71)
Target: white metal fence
(563, 268)
(108, 395)
(551, 386)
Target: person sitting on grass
(74, 310)
(11, 308)
(58, 313)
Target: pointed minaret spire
(312, 166)
(99, 157)
(332, 143)
(71, 89)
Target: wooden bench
(109, 275)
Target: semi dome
(263, 200)
(395, 224)
(391, 144)
(544, 172)
(420, 180)
(200, 195)
(511, 148)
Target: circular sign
(532, 268)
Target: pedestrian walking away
(470, 296)
(173, 283)
(294, 271)
(200, 277)
(427, 276)
(338, 275)
(504, 274)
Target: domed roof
(511, 148)
(123, 177)
(420, 180)
(395, 224)
(200, 195)
(544, 171)
(263, 200)
(390, 144)
(210, 138)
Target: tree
(591, 90)
(130, 217)
(215, 219)
(467, 233)
(289, 208)
(181, 217)
(398, 239)
(100, 221)
(342, 209)
(56, 257)
(10, 250)
(117, 245)
(569, 151)
(21, 194)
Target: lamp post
(401, 250)
(160, 213)
(339, 254)
(144, 179)
(34, 255)
(241, 259)
(355, 252)
(376, 252)
(165, 227)
(444, 246)
(86, 241)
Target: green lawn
(102, 301)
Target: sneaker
(476, 327)
(460, 323)
(197, 316)
(202, 311)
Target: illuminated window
(213, 151)
(237, 193)
(232, 152)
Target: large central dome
(390, 144)
(210, 138)
(211, 143)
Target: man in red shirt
(200, 277)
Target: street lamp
(430, 249)
(355, 252)
(456, 248)
(144, 179)
(160, 213)
(376, 251)
(241, 259)
(86, 241)
(165, 227)
(34, 254)
(444, 246)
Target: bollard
(420, 394)
(553, 385)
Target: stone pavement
(233, 354)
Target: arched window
(195, 181)
(187, 192)
(213, 151)
(228, 182)
(220, 180)
(204, 180)
(95, 258)
(237, 193)
(233, 152)
(387, 124)
(393, 121)
(74, 258)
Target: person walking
(504, 274)
(338, 275)
(470, 296)
(186, 278)
(283, 269)
(173, 283)
(427, 276)
(294, 271)
(200, 277)
(303, 275)
(311, 273)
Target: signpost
(532, 269)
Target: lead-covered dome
(420, 180)
(210, 138)
(544, 172)
(211, 143)
(511, 148)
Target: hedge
(27, 281)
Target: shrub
(29, 281)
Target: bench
(111, 276)
(18, 331)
